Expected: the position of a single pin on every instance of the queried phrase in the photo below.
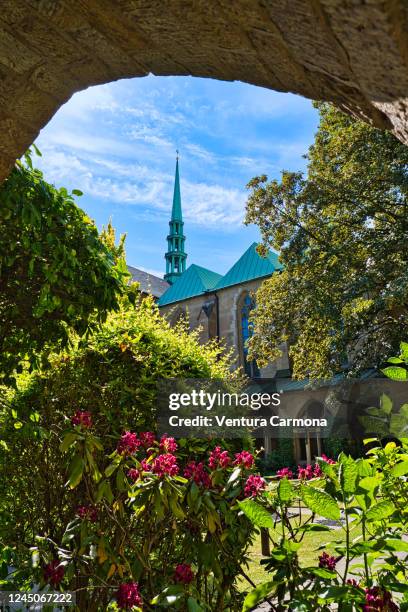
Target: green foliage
(48, 468)
(398, 370)
(367, 496)
(341, 233)
(56, 274)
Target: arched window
(246, 328)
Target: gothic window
(246, 328)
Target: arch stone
(350, 52)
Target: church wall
(229, 320)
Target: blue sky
(117, 144)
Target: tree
(342, 236)
(56, 274)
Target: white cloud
(117, 144)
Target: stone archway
(351, 52)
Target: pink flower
(89, 513)
(327, 561)
(133, 474)
(147, 438)
(327, 459)
(244, 459)
(183, 573)
(317, 471)
(83, 418)
(197, 472)
(54, 572)
(146, 467)
(254, 485)
(305, 473)
(219, 458)
(168, 444)
(378, 599)
(128, 596)
(284, 473)
(165, 464)
(128, 443)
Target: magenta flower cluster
(128, 596)
(305, 473)
(244, 459)
(219, 458)
(82, 418)
(168, 444)
(133, 474)
(198, 473)
(327, 561)
(254, 485)
(89, 513)
(165, 464)
(378, 599)
(129, 443)
(183, 573)
(285, 473)
(54, 572)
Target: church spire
(175, 256)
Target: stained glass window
(250, 367)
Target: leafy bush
(56, 274)
(368, 494)
(92, 501)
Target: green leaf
(193, 605)
(77, 192)
(395, 373)
(257, 514)
(400, 469)
(397, 545)
(380, 511)
(386, 403)
(395, 360)
(75, 471)
(68, 440)
(404, 351)
(369, 483)
(258, 594)
(320, 502)
(348, 474)
(321, 572)
(285, 491)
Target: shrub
(92, 501)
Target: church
(219, 306)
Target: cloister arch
(350, 52)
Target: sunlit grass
(308, 553)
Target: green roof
(250, 266)
(194, 281)
(176, 214)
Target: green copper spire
(176, 214)
(175, 256)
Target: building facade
(219, 306)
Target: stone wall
(350, 52)
(229, 324)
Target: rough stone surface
(350, 52)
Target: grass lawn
(308, 553)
